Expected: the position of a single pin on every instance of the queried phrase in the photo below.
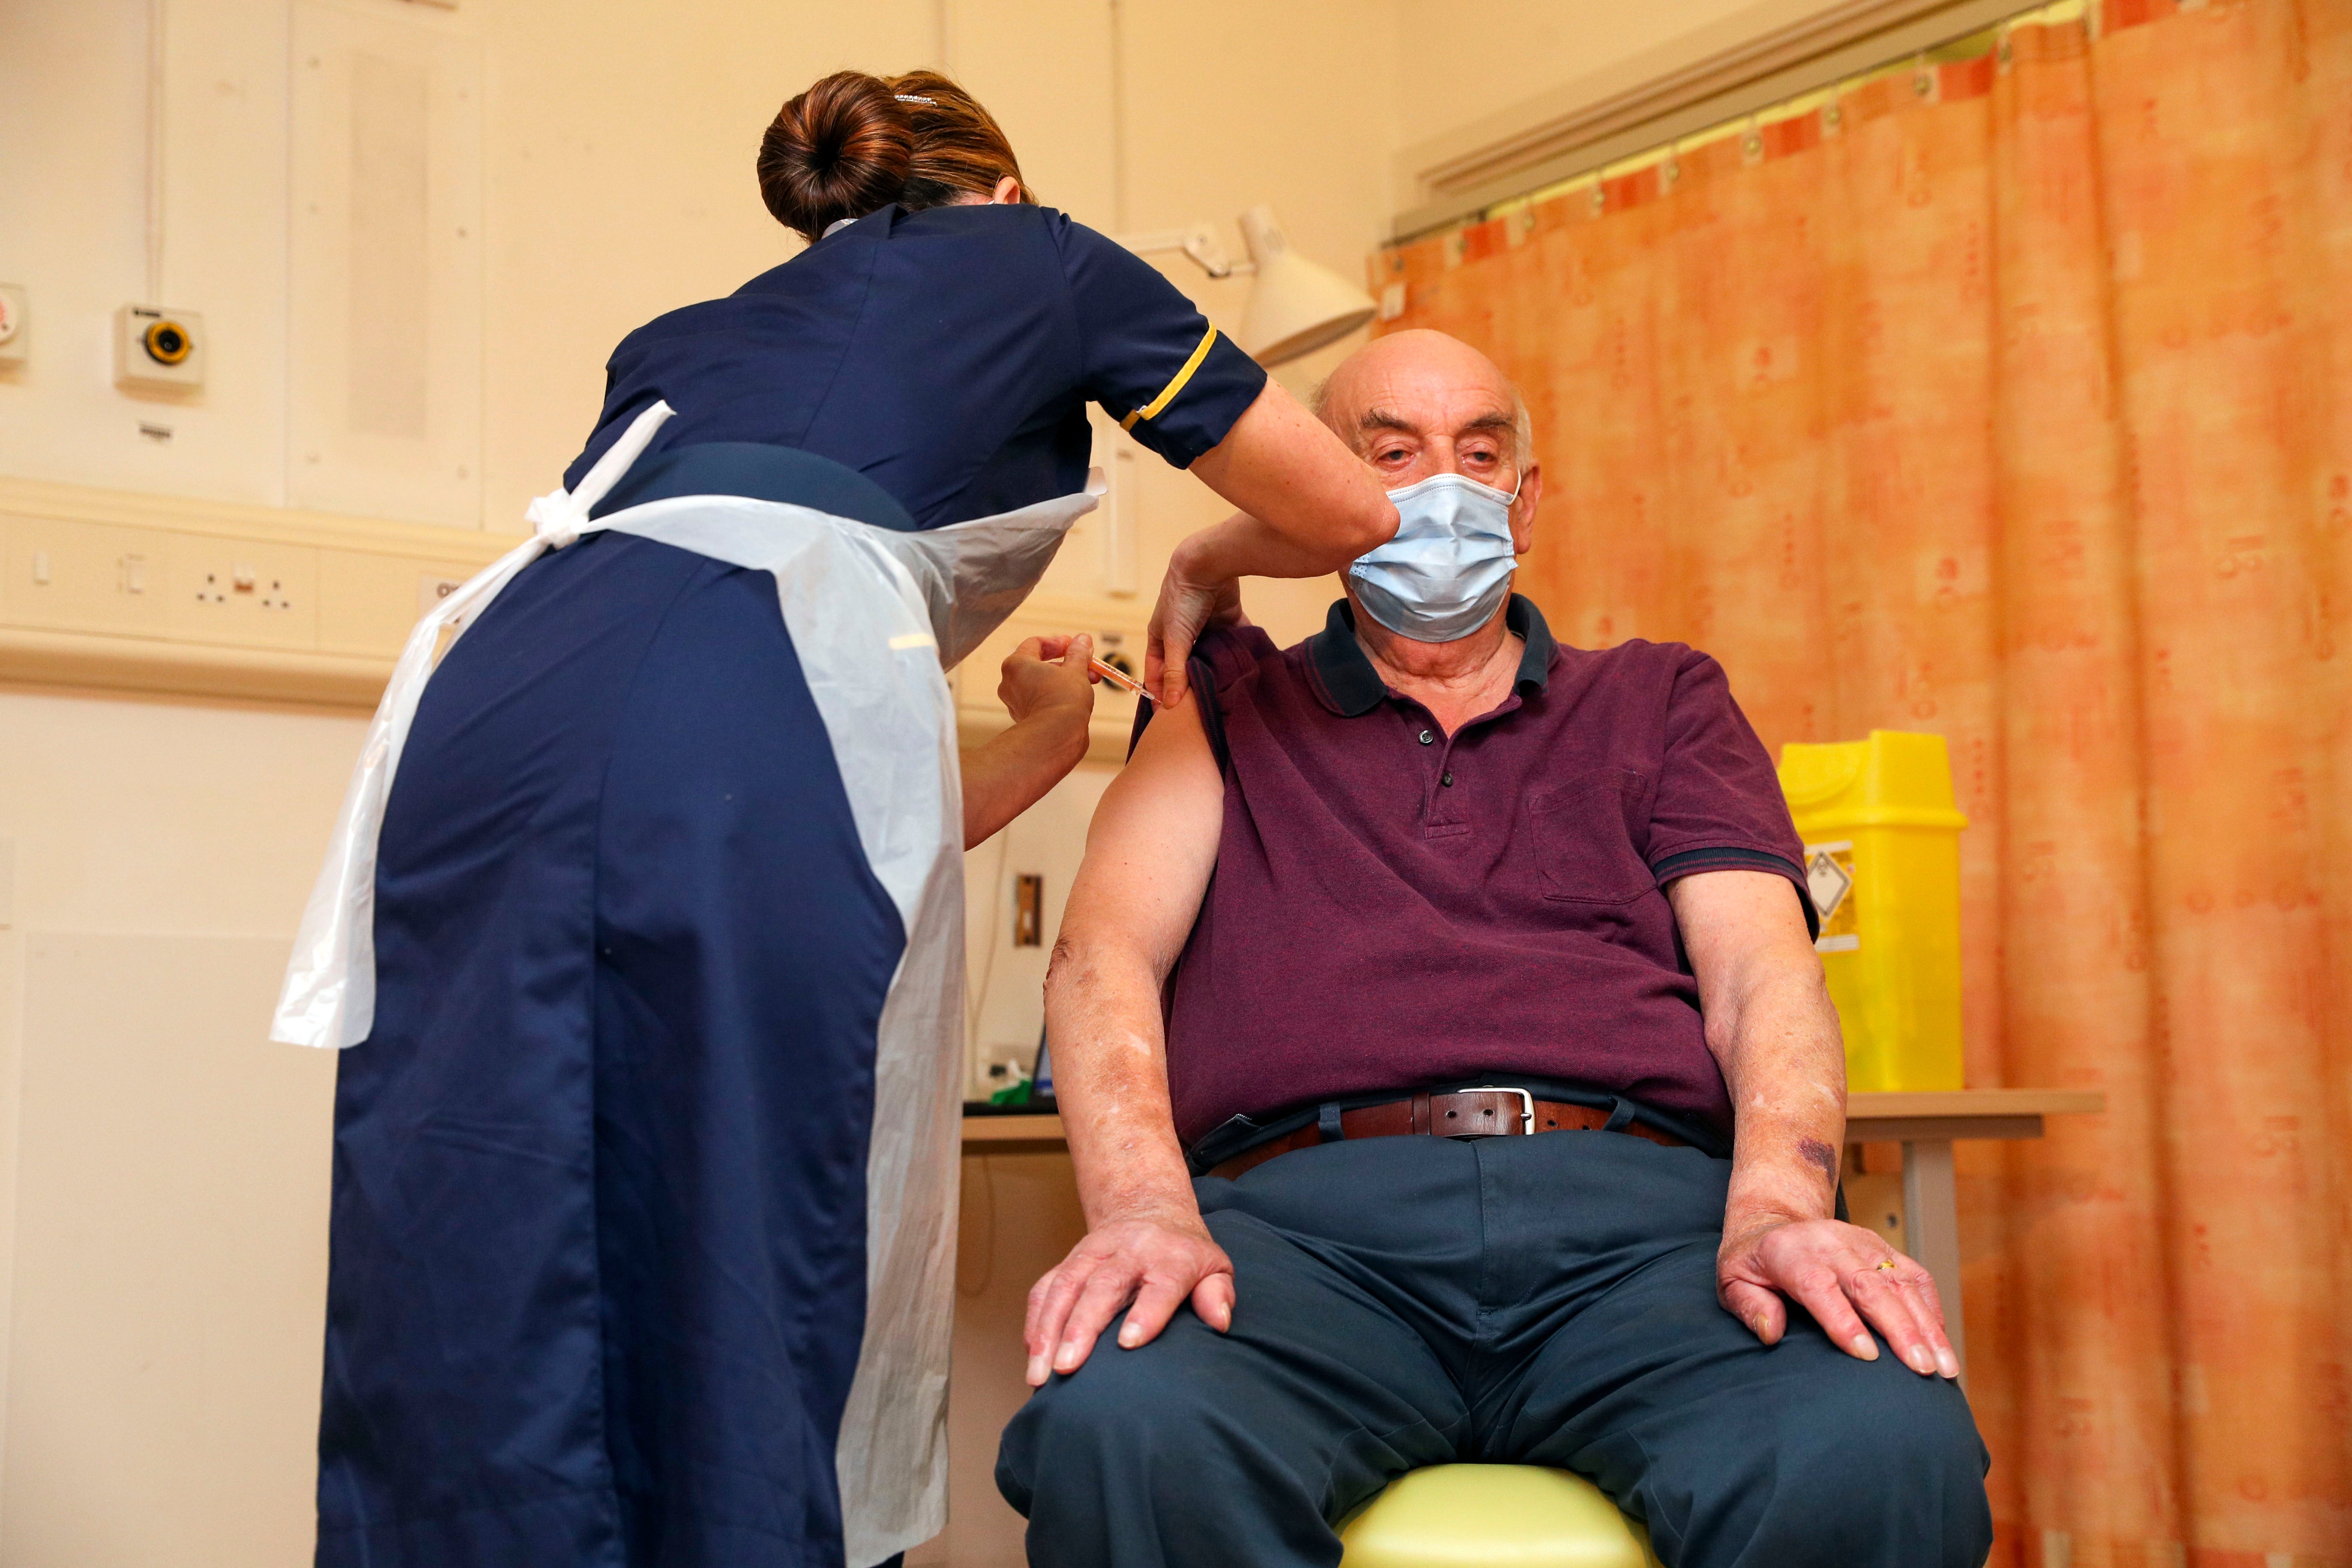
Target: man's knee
(1895, 1475)
(1135, 1413)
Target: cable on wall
(155, 41)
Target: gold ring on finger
(1886, 1263)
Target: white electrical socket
(11, 324)
(156, 349)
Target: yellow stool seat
(1492, 1516)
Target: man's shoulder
(1235, 653)
(1636, 662)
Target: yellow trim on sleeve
(1168, 393)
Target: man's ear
(1523, 510)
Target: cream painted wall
(150, 1399)
(1516, 49)
(1520, 63)
(73, 135)
(616, 154)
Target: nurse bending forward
(644, 1185)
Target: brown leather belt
(1465, 1113)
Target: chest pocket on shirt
(1584, 839)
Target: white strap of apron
(561, 516)
(328, 997)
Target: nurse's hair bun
(854, 143)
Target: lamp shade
(1296, 305)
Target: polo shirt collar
(1350, 685)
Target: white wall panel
(384, 367)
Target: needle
(1116, 677)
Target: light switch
(134, 574)
(41, 567)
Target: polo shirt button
(1426, 737)
(1446, 780)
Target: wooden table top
(1869, 1119)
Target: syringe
(1118, 676)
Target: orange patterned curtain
(2011, 398)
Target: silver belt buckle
(1527, 1104)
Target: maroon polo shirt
(1393, 908)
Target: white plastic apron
(876, 618)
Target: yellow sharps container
(1883, 857)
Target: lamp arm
(1196, 242)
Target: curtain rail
(1687, 103)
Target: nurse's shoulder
(971, 248)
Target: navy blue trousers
(1547, 1300)
(598, 1251)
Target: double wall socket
(156, 349)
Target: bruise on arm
(1821, 1154)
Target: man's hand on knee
(1842, 1275)
(1156, 1263)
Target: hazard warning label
(1829, 875)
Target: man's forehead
(1426, 389)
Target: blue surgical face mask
(1449, 567)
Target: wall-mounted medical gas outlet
(157, 350)
(11, 324)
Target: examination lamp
(1294, 305)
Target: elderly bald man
(1492, 1111)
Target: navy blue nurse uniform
(598, 1265)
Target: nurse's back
(939, 342)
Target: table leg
(1931, 1219)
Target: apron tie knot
(557, 517)
(561, 516)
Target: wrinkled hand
(1831, 1270)
(1045, 674)
(1187, 607)
(1156, 1263)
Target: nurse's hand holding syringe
(1047, 685)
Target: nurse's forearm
(1244, 546)
(1315, 504)
(1012, 772)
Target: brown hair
(854, 142)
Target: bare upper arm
(1739, 927)
(1152, 845)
